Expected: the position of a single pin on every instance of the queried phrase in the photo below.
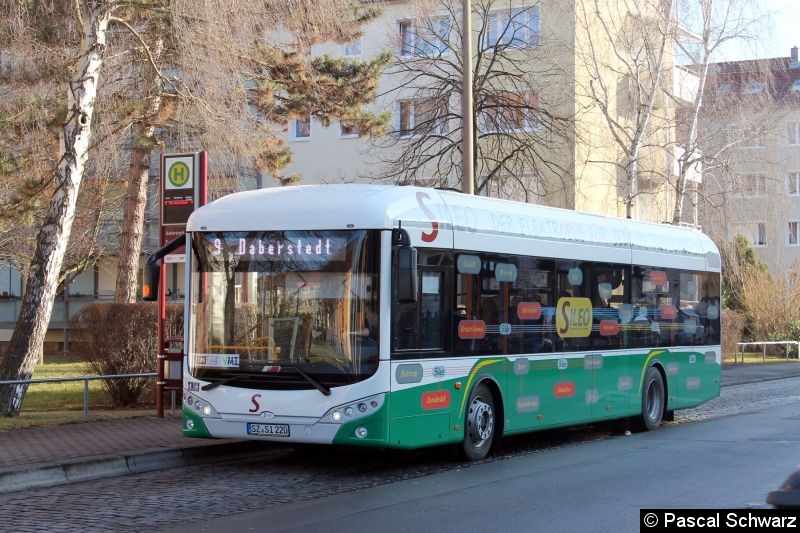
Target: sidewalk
(39, 457)
(749, 373)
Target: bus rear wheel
(480, 424)
(653, 400)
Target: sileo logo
(428, 237)
(574, 317)
(256, 406)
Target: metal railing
(86, 380)
(741, 346)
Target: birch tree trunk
(632, 164)
(136, 195)
(37, 303)
(688, 157)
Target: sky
(777, 31)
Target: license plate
(268, 430)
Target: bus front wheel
(653, 400)
(480, 424)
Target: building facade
(752, 131)
(570, 86)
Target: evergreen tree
(225, 78)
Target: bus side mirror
(406, 274)
(151, 276)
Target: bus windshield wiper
(317, 385)
(230, 379)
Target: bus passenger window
(609, 297)
(431, 312)
(423, 325)
(572, 279)
(532, 309)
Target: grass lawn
(32, 419)
(50, 404)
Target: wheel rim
(480, 422)
(654, 399)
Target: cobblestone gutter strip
(87, 468)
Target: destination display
(276, 247)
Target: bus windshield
(285, 310)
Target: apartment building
(569, 86)
(752, 143)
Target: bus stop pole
(161, 358)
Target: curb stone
(97, 467)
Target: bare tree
(37, 304)
(142, 144)
(706, 26)
(624, 55)
(519, 122)
(233, 80)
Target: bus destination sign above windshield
(305, 248)
(180, 187)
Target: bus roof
(449, 219)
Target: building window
(796, 85)
(793, 183)
(429, 37)
(754, 87)
(761, 237)
(753, 137)
(300, 129)
(754, 232)
(793, 237)
(514, 28)
(724, 88)
(509, 111)
(353, 49)
(422, 116)
(348, 129)
(794, 133)
(752, 185)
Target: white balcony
(685, 84)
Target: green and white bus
(405, 317)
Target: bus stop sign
(180, 187)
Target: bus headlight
(361, 432)
(201, 407)
(355, 410)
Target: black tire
(653, 401)
(480, 424)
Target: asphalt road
(728, 453)
(724, 462)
